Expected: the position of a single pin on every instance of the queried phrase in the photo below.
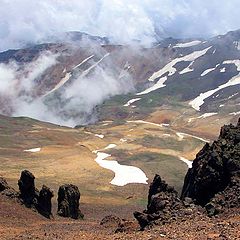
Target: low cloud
(74, 104)
(27, 21)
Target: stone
(44, 205)
(28, 192)
(68, 201)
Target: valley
(107, 118)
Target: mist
(122, 21)
(68, 106)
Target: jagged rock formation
(216, 170)
(32, 198)
(44, 205)
(213, 182)
(28, 193)
(68, 201)
(163, 205)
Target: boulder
(44, 205)
(28, 192)
(68, 201)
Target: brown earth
(17, 222)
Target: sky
(28, 21)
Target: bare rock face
(28, 192)
(44, 205)
(68, 201)
(216, 172)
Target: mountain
(81, 110)
(57, 77)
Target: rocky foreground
(211, 186)
(208, 207)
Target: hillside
(17, 222)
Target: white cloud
(20, 91)
(121, 20)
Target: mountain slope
(68, 80)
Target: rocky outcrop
(44, 205)
(28, 193)
(68, 201)
(216, 170)
(31, 197)
(213, 182)
(163, 205)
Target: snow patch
(199, 101)
(110, 146)
(188, 44)
(236, 62)
(188, 162)
(182, 135)
(123, 174)
(131, 102)
(81, 63)
(170, 70)
(159, 84)
(209, 70)
(33, 150)
(99, 135)
(234, 113)
(169, 67)
(150, 123)
(205, 115)
(187, 69)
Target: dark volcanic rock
(68, 201)
(44, 206)
(28, 192)
(216, 169)
(3, 184)
(31, 197)
(163, 204)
